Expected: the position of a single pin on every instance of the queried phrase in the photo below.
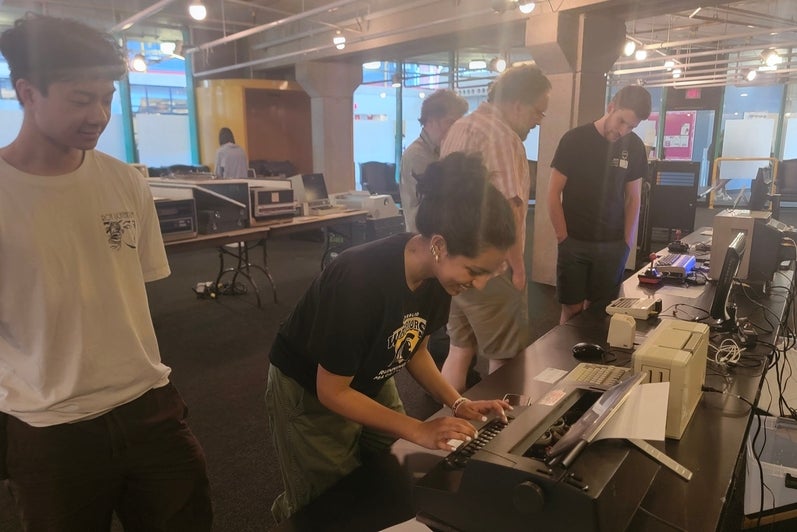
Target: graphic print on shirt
(120, 227)
(622, 161)
(403, 342)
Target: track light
(629, 48)
(197, 10)
(669, 64)
(138, 63)
(339, 41)
(771, 58)
(749, 74)
(641, 55)
(677, 73)
(396, 81)
(497, 64)
(526, 7)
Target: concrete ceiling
(714, 45)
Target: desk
(260, 234)
(712, 445)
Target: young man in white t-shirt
(90, 424)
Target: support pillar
(331, 88)
(575, 51)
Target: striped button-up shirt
(486, 132)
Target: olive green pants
(315, 446)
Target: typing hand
(480, 410)
(437, 433)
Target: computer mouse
(588, 351)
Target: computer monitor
(315, 190)
(759, 189)
(723, 317)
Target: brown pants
(139, 460)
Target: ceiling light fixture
(477, 64)
(197, 10)
(695, 12)
(629, 48)
(771, 58)
(372, 65)
(497, 64)
(339, 41)
(138, 63)
(641, 55)
(677, 72)
(526, 7)
(749, 74)
(669, 64)
(396, 81)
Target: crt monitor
(723, 317)
(315, 190)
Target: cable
(728, 352)
(723, 392)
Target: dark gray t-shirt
(359, 318)
(597, 171)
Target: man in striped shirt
(494, 321)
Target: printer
(507, 483)
(221, 204)
(271, 199)
(378, 205)
(675, 352)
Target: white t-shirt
(76, 336)
(231, 162)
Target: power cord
(727, 353)
(724, 392)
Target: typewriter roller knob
(528, 498)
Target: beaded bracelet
(456, 404)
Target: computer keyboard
(596, 375)
(639, 308)
(459, 457)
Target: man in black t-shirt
(593, 201)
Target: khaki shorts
(495, 321)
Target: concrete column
(331, 87)
(575, 52)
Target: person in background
(494, 321)
(231, 160)
(593, 202)
(438, 112)
(91, 425)
(331, 398)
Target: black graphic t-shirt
(359, 318)
(597, 171)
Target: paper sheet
(643, 415)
